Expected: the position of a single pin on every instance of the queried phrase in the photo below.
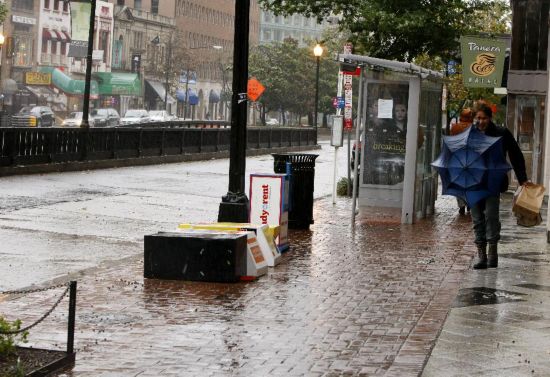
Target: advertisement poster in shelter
(385, 133)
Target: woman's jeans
(485, 216)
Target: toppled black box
(219, 257)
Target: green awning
(68, 85)
(118, 83)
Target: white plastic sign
(337, 136)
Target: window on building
(63, 49)
(44, 44)
(47, 4)
(65, 6)
(104, 44)
(138, 40)
(155, 6)
(56, 4)
(22, 51)
(120, 2)
(54, 47)
(137, 4)
(23, 4)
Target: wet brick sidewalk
(368, 302)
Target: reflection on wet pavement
(342, 302)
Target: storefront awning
(159, 89)
(68, 85)
(67, 36)
(193, 98)
(214, 97)
(61, 36)
(55, 35)
(41, 91)
(46, 34)
(118, 83)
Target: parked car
(160, 116)
(136, 116)
(34, 116)
(271, 122)
(106, 117)
(75, 120)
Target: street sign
(338, 102)
(255, 89)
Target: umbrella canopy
(471, 165)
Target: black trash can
(302, 178)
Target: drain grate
(485, 296)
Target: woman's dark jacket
(510, 149)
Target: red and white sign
(267, 203)
(348, 97)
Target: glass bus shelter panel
(384, 147)
(429, 141)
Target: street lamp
(234, 205)
(318, 52)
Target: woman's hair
(466, 115)
(486, 109)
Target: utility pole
(168, 67)
(234, 205)
(88, 77)
(87, 82)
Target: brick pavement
(369, 302)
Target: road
(60, 223)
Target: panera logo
(484, 65)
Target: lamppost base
(234, 208)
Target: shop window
(54, 47)
(63, 49)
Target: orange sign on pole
(255, 89)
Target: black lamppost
(318, 52)
(88, 78)
(234, 205)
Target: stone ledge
(138, 161)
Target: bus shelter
(399, 111)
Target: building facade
(142, 42)
(298, 27)
(19, 53)
(207, 28)
(527, 85)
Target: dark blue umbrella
(472, 166)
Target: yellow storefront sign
(38, 78)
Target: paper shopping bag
(527, 203)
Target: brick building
(204, 24)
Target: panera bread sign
(482, 62)
(38, 78)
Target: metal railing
(28, 145)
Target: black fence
(27, 146)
